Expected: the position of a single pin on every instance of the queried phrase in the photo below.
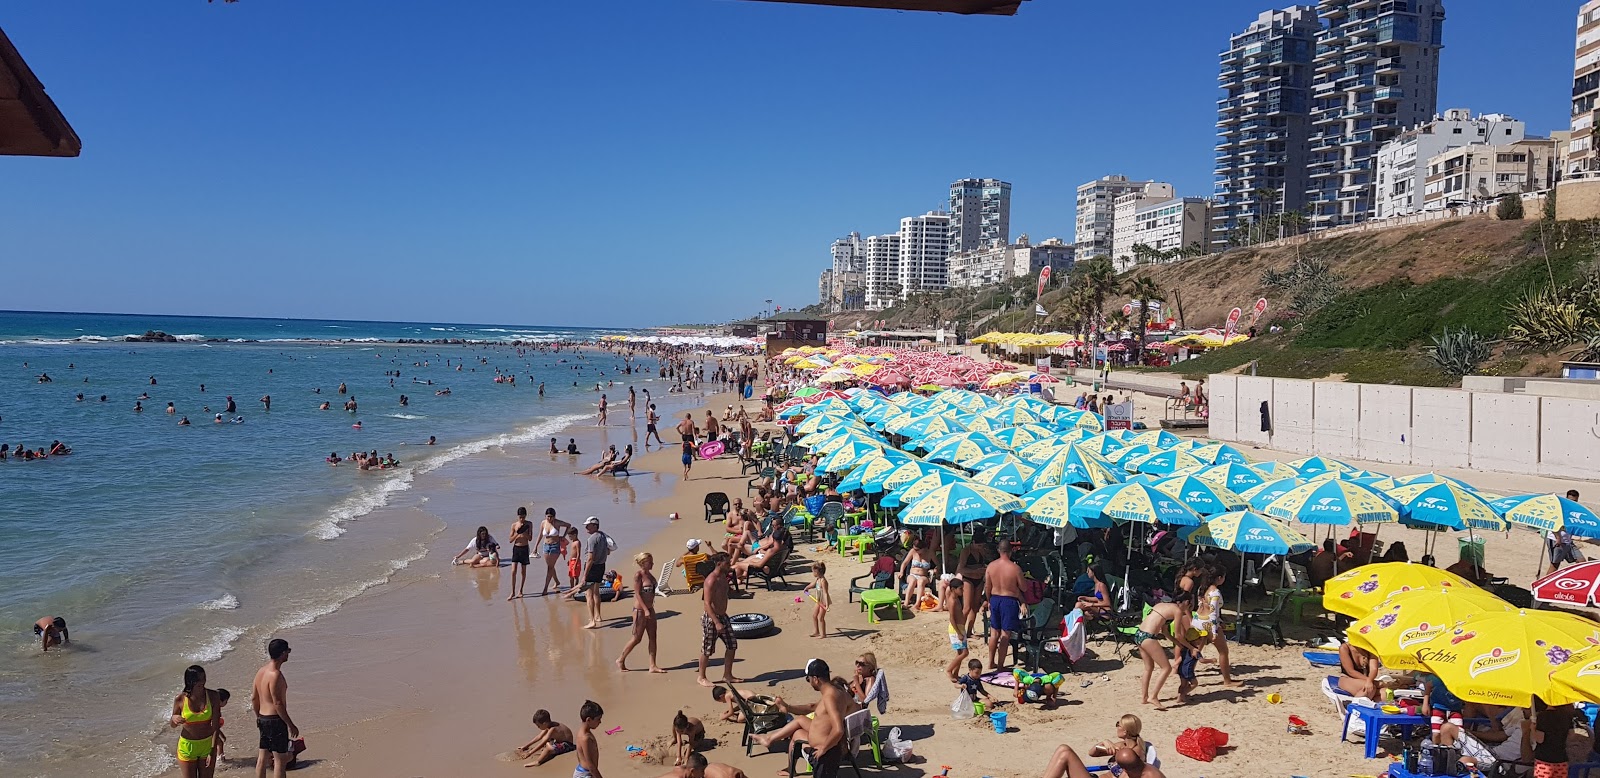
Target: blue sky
(603, 162)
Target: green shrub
(1510, 208)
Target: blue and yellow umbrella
(1010, 478)
(1073, 465)
(1121, 455)
(1134, 502)
(1548, 513)
(1311, 466)
(1080, 419)
(1163, 462)
(872, 467)
(1219, 454)
(1264, 494)
(996, 459)
(1431, 478)
(1052, 506)
(1103, 444)
(907, 494)
(1249, 532)
(1333, 502)
(846, 456)
(1156, 439)
(825, 421)
(958, 504)
(964, 448)
(1204, 497)
(904, 475)
(1273, 469)
(1233, 476)
(1444, 505)
(1014, 415)
(924, 426)
(1015, 438)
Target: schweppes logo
(1419, 634)
(1592, 668)
(1497, 659)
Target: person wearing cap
(596, 546)
(826, 731)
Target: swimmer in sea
(357, 425)
(52, 631)
(323, 407)
(217, 420)
(183, 422)
(266, 402)
(138, 407)
(333, 459)
(170, 409)
(430, 440)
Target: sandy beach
(435, 674)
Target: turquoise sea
(166, 544)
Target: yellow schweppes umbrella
(1579, 676)
(1401, 624)
(1357, 592)
(1508, 658)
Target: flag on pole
(1260, 308)
(1039, 309)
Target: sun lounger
(1322, 658)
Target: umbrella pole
(1238, 607)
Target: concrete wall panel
(1505, 432)
(1338, 415)
(1293, 415)
(1441, 427)
(1569, 438)
(1253, 390)
(1224, 391)
(1385, 423)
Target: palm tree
(1100, 276)
(1144, 291)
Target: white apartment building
(997, 263)
(882, 258)
(849, 254)
(825, 288)
(924, 253)
(1122, 222)
(1482, 173)
(1402, 163)
(1168, 225)
(1096, 215)
(1580, 153)
(980, 213)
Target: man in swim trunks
(553, 740)
(521, 537)
(588, 747)
(686, 428)
(269, 697)
(1002, 584)
(596, 547)
(714, 622)
(826, 731)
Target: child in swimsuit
(955, 630)
(574, 556)
(553, 740)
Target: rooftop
(30, 123)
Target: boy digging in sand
(818, 589)
(554, 739)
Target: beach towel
(1322, 658)
(1072, 637)
(1001, 678)
(879, 691)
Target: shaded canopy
(30, 123)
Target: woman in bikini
(1148, 639)
(644, 612)
(550, 545)
(916, 571)
(974, 560)
(195, 711)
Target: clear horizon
(395, 161)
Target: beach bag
(1032, 591)
(962, 707)
(1201, 744)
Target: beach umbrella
(1332, 502)
(925, 426)
(1102, 444)
(836, 442)
(958, 503)
(1234, 476)
(1273, 469)
(1134, 502)
(1311, 466)
(1264, 494)
(1218, 454)
(1507, 658)
(1432, 478)
(1357, 592)
(1157, 439)
(1571, 585)
(1072, 465)
(996, 459)
(1052, 505)
(848, 455)
(1015, 438)
(1121, 455)
(1579, 677)
(1382, 483)
(1548, 513)
(1081, 419)
(1164, 462)
(1249, 533)
(1012, 415)
(1008, 478)
(871, 467)
(964, 448)
(1445, 505)
(880, 415)
(904, 475)
(807, 391)
(824, 421)
(1205, 498)
(1406, 620)
(907, 494)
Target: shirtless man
(588, 746)
(1066, 764)
(602, 421)
(1002, 583)
(714, 624)
(826, 732)
(52, 631)
(686, 427)
(713, 428)
(269, 698)
(699, 768)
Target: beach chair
(857, 729)
(832, 516)
(754, 723)
(716, 505)
(1042, 626)
(766, 474)
(1268, 621)
(749, 464)
(872, 581)
(693, 574)
(621, 468)
(773, 569)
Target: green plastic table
(873, 599)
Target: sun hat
(591, 520)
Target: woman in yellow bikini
(195, 710)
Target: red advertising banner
(1233, 324)
(1044, 280)
(1255, 313)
